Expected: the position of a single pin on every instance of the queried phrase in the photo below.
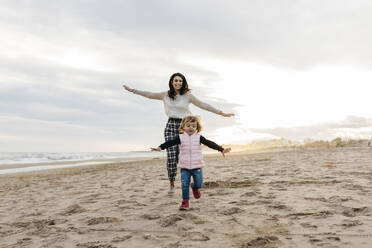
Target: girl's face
(190, 127)
(177, 83)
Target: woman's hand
(157, 149)
(227, 115)
(225, 150)
(127, 88)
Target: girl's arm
(214, 146)
(207, 107)
(168, 144)
(151, 95)
(210, 144)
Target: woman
(176, 103)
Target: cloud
(63, 63)
(352, 126)
(26, 134)
(290, 33)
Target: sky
(291, 69)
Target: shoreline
(20, 168)
(74, 162)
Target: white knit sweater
(179, 107)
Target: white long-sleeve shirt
(179, 107)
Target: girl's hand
(127, 88)
(227, 115)
(157, 149)
(225, 150)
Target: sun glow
(272, 97)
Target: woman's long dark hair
(185, 87)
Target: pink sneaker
(195, 192)
(184, 204)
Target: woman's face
(177, 83)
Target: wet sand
(313, 197)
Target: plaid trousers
(170, 133)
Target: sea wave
(7, 158)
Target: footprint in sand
(334, 238)
(230, 211)
(219, 192)
(280, 206)
(38, 224)
(93, 198)
(194, 218)
(230, 184)
(129, 204)
(23, 242)
(308, 225)
(150, 237)
(196, 236)
(172, 245)
(338, 199)
(352, 212)
(95, 244)
(323, 242)
(318, 215)
(121, 238)
(138, 190)
(350, 223)
(73, 209)
(260, 242)
(321, 199)
(262, 202)
(185, 228)
(248, 194)
(170, 220)
(315, 240)
(269, 196)
(102, 220)
(151, 216)
(242, 203)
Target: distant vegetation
(337, 142)
(278, 143)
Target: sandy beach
(295, 197)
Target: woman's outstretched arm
(151, 95)
(207, 107)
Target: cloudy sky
(290, 68)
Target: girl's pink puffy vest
(190, 156)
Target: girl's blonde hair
(190, 118)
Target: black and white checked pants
(170, 133)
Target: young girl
(190, 158)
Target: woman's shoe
(171, 191)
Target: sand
(313, 197)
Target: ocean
(7, 159)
